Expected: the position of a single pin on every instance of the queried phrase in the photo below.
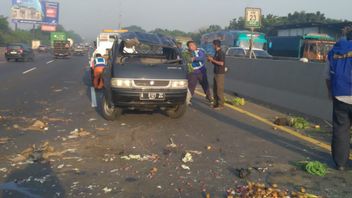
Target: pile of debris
(258, 190)
(38, 153)
(294, 122)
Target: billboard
(48, 28)
(35, 12)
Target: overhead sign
(115, 31)
(48, 28)
(253, 17)
(35, 12)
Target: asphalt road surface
(79, 154)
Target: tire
(109, 113)
(177, 112)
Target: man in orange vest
(99, 66)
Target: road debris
(152, 172)
(152, 157)
(37, 154)
(235, 101)
(78, 133)
(258, 190)
(172, 144)
(187, 158)
(295, 122)
(4, 140)
(244, 172)
(313, 167)
(60, 166)
(107, 190)
(185, 167)
(37, 125)
(4, 170)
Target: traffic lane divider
(287, 130)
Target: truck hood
(142, 71)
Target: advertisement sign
(48, 28)
(253, 18)
(51, 12)
(35, 12)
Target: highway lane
(57, 93)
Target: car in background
(241, 52)
(19, 52)
(78, 50)
(236, 52)
(262, 54)
(145, 73)
(43, 49)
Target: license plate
(152, 96)
(13, 52)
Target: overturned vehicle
(145, 72)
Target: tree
(236, 24)
(269, 21)
(4, 24)
(134, 28)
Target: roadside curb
(287, 130)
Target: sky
(89, 17)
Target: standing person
(339, 83)
(219, 75)
(197, 72)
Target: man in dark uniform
(219, 75)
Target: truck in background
(310, 47)
(57, 36)
(106, 39)
(61, 45)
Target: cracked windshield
(175, 99)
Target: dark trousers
(201, 77)
(219, 86)
(342, 121)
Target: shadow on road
(284, 142)
(37, 180)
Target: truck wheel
(177, 112)
(109, 112)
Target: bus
(233, 38)
(313, 46)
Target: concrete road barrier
(292, 85)
(2, 53)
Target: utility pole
(33, 32)
(120, 15)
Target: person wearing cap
(339, 83)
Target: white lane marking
(50, 61)
(34, 68)
(93, 97)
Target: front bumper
(127, 98)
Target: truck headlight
(179, 84)
(121, 83)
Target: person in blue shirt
(197, 70)
(339, 82)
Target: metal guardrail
(292, 85)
